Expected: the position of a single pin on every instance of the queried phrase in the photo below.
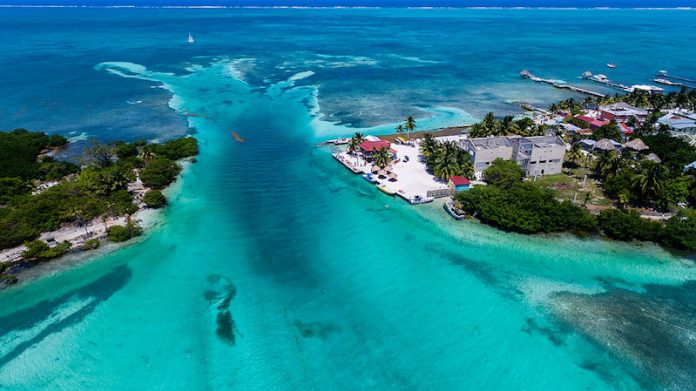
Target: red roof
(369, 146)
(459, 180)
(585, 118)
(625, 128)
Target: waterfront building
(538, 155)
(485, 150)
(368, 148)
(459, 183)
(622, 112)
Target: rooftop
(490, 142)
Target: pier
(560, 84)
(602, 79)
(684, 79)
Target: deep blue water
(274, 267)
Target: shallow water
(276, 268)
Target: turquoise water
(276, 268)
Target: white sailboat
(190, 38)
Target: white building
(539, 155)
(681, 124)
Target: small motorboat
(611, 65)
(370, 178)
(420, 200)
(384, 189)
(453, 211)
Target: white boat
(420, 200)
(452, 211)
(190, 38)
(368, 177)
(611, 65)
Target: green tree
(154, 199)
(575, 154)
(159, 173)
(503, 173)
(650, 181)
(610, 131)
(680, 230)
(355, 142)
(428, 145)
(410, 125)
(382, 157)
(120, 233)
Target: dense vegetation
(630, 179)
(490, 126)
(98, 189)
(154, 199)
(122, 233)
(445, 159)
(513, 205)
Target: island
(51, 206)
(621, 166)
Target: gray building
(539, 155)
(484, 150)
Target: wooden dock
(560, 84)
(668, 76)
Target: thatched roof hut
(604, 144)
(636, 145)
(653, 158)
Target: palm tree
(477, 130)
(428, 145)
(410, 125)
(608, 164)
(399, 129)
(382, 157)
(146, 153)
(446, 161)
(575, 153)
(650, 182)
(355, 142)
(490, 124)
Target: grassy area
(569, 186)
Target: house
(539, 155)
(622, 112)
(680, 124)
(458, 183)
(593, 123)
(484, 150)
(368, 148)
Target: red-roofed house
(625, 129)
(459, 183)
(593, 122)
(368, 148)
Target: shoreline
(147, 218)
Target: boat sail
(190, 38)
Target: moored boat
(384, 189)
(453, 211)
(420, 200)
(611, 65)
(370, 178)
